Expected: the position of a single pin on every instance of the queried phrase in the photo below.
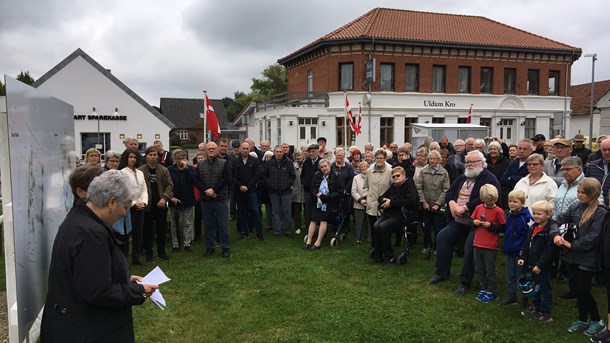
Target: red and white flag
(469, 119)
(358, 125)
(350, 116)
(211, 119)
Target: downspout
(565, 98)
(370, 59)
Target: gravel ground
(3, 318)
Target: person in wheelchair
(327, 189)
(402, 193)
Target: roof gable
(437, 28)
(185, 113)
(581, 96)
(79, 52)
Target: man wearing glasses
(562, 149)
(462, 198)
(599, 169)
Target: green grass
(273, 291)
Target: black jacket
(499, 167)
(335, 190)
(484, 178)
(279, 175)
(404, 195)
(308, 170)
(538, 251)
(246, 174)
(89, 292)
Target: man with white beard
(462, 198)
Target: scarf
(324, 190)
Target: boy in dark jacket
(517, 223)
(537, 256)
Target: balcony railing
(294, 99)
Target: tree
(232, 108)
(275, 81)
(25, 78)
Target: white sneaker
(298, 231)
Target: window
(386, 131)
(101, 141)
(412, 78)
(438, 79)
(462, 120)
(387, 77)
(183, 135)
(553, 83)
(268, 137)
(530, 127)
(485, 122)
(487, 77)
(339, 129)
(346, 76)
(509, 81)
(279, 131)
(552, 132)
(408, 122)
(532, 82)
(438, 120)
(463, 79)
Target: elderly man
(247, 172)
(462, 198)
(131, 144)
(165, 157)
(538, 144)
(601, 168)
(455, 162)
(516, 170)
(562, 149)
(444, 144)
(469, 144)
(214, 175)
(279, 176)
(580, 149)
(479, 144)
(308, 170)
(322, 144)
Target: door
(308, 131)
(506, 129)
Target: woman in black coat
(402, 193)
(90, 291)
(327, 189)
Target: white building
(106, 111)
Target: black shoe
(136, 262)
(375, 259)
(306, 246)
(462, 289)
(314, 247)
(509, 301)
(187, 249)
(561, 278)
(391, 260)
(176, 249)
(226, 253)
(197, 239)
(150, 259)
(243, 236)
(208, 252)
(436, 279)
(259, 238)
(568, 295)
(164, 257)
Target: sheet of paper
(156, 276)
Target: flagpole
(345, 121)
(205, 116)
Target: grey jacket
(431, 187)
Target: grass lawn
(273, 291)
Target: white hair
(112, 184)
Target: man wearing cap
(580, 149)
(309, 168)
(322, 146)
(538, 143)
(552, 168)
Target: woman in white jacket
(132, 161)
(359, 196)
(537, 185)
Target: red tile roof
(440, 28)
(581, 96)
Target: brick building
(428, 68)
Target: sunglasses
(396, 176)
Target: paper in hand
(156, 276)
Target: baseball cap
(539, 137)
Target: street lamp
(593, 59)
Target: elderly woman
(327, 189)
(122, 227)
(92, 157)
(297, 196)
(90, 292)
(496, 163)
(401, 193)
(421, 159)
(377, 181)
(537, 185)
(346, 172)
(112, 160)
(132, 162)
(369, 156)
(355, 159)
(432, 185)
(359, 195)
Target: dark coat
(499, 167)
(484, 178)
(335, 190)
(516, 226)
(401, 196)
(538, 251)
(184, 182)
(279, 175)
(246, 174)
(308, 170)
(89, 292)
(596, 170)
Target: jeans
(543, 301)
(485, 267)
(248, 213)
(429, 220)
(446, 239)
(281, 206)
(137, 228)
(156, 217)
(186, 214)
(216, 218)
(513, 270)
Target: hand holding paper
(156, 276)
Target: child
(537, 257)
(488, 220)
(517, 223)
(582, 252)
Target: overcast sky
(162, 48)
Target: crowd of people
(546, 198)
